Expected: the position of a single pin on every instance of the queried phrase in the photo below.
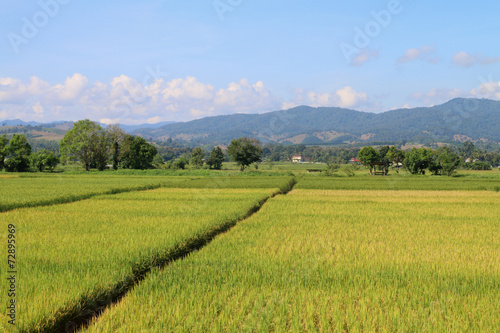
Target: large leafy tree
(137, 153)
(116, 136)
(85, 142)
(197, 157)
(395, 156)
(17, 157)
(3, 150)
(245, 151)
(216, 158)
(368, 156)
(44, 159)
(447, 159)
(417, 160)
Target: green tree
(17, 157)
(3, 150)
(100, 150)
(395, 156)
(197, 156)
(116, 136)
(245, 151)
(367, 156)
(383, 154)
(138, 153)
(84, 142)
(180, 163)
(448, 160)
(216, 158)
(417, 160)
(44, 160)
(158, 161)
(469, 150)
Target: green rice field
(319, 260)
(237, 252)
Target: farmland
(396, 253)
(334, 260)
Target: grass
(323, 260)
(75, 256)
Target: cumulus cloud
(488, 90)
(425, 53)
(364, 56)
(464, 59)
(38, 109)
(437, 96)
(346, 97)
(126, 100)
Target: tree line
(441, 161)
(98, 148)
(16, 156)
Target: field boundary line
(81, 197)
(78, 316)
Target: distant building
(297, 159)
(354, 161)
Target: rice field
(334, 260)
(397, 253)
(46, 189)
(39, 190)
(465, 182)
(73, 255)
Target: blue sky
(149, 61)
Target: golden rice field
(17, 192)
(336, 254)
(326, 260)
(71, 255)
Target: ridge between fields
(81, 197)
(89, 308)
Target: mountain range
(458, 120)
(68, 124)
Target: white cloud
(464, 59)
(38, 109)
(346, 97)
(364, 56)
(490, 90)
(125, 100)
(425, 53)
(437, 96)
(72, 88)
(349, 97)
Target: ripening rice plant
(39, 190)
(323, 260)
(73, 257)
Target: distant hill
(131, 128)
(47, 130)
(457, 120)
